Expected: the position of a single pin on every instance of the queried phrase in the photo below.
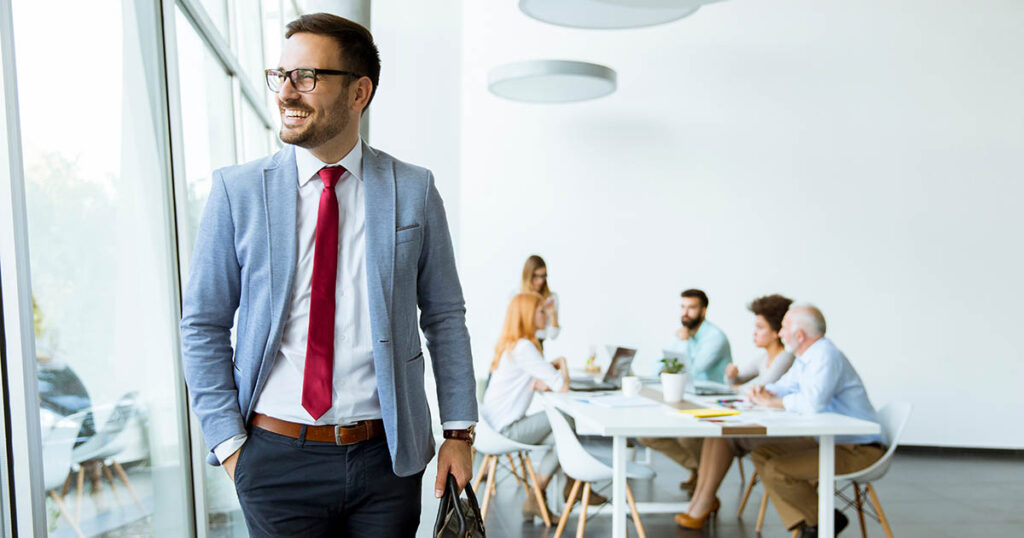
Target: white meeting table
(665, 421)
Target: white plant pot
(673, 386)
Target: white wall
(415, 115)
(865, 156)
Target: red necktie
(318, 376)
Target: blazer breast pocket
(405, 234)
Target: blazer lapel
(280, 196)
(379, 183)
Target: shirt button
(342, 337)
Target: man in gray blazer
(326, 249)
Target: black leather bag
(457, 518)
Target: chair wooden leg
(796, 532)
(520, 481)
(79, 487)
(860, 509)
(489, 488)
(483, 470)
(545, 515)
(63, 512)
(110, 479)
(636, 514)
(67, 485)
(746, 494)
(761, 511)
(127, 484)
(743, 474)
(581, 527)
(567, 509)
(878, 510)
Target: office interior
(867, 157)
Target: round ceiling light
(609, 14)
(551, 81)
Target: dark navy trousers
(294, 487)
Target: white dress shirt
(354, 395)
(510, 391)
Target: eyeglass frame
(282, 74)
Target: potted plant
(673, 379)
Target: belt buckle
(337, 433)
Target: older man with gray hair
(821, 380)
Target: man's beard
(317, 133)
(692, 323)
(787, 346)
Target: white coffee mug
(631, 385)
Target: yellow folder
(709, 413)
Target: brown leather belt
(342, 434)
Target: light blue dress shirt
(709, 351)
(822, 380)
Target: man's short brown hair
(696, 294)
(772, 308)
(358, 52)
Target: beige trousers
(789, 472)
(683, 450)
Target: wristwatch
(468, 435)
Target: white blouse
(757, 372)
(510, 390)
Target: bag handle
(450, 503)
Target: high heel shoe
(697, 523)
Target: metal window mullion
(182, 232)
(157, 17)
(26, 499)
(208, 31)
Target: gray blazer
(244, 260)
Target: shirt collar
(308, 165)
(810, 352)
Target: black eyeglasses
(303, 79)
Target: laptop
(619, 367)
(699, 387)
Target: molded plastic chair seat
(586, 468)
(493, 445)
(490, 441)
(894, 419)
(59, 435)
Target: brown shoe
(690, 484)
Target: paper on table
(620, 401)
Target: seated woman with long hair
(517, 371)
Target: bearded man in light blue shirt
(709, 353)
(821, 380)
(705, 344)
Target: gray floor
(924, 495)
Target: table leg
(618, 487)
(826, 484)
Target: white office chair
(493, 446)
(104, 446)
(59, 436)
(893, 418)
(586, 469)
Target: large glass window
(209, 137)
(211, 140)
(103, 272)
